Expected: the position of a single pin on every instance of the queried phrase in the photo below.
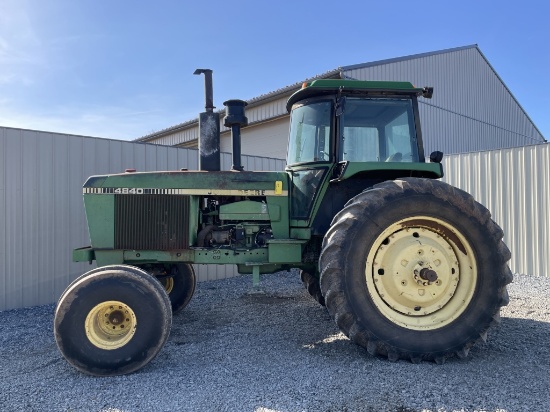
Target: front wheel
(414, 269)
(112, 321)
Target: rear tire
(112, 321)
(414, 269)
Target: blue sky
(123, 69)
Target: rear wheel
(112, 320)
(414, 269)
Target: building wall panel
(514, 185)
(41, 210)
(267, 139)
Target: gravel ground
(234, 351)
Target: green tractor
(409, 267)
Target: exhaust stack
(235, 119)
(209, 128)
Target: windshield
(378, 130)
(309, 139)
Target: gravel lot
(234, 351)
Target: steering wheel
(396, 157)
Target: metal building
(471, 110)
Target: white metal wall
(514, 184)
(268, 139)
(256, 113)
(41, 210)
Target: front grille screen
(151, 222)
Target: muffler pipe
(209, 128)
(208, 89)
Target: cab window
(310, 127)
(378, 130)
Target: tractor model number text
(131, 191)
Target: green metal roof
(328, 86)
(362, 84)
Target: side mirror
(436, 157)
(427, 92)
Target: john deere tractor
(409, 267)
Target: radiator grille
(151, 222)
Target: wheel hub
(428, 274)
(168, 284)
(110, 325)
(414, 274)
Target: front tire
(311, 283)
(415, 269)
(112, 321)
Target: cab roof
(331, 86)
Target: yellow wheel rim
(168, 284)
(421, 273)
(110, 325)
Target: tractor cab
(345, 136)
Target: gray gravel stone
(234, 351)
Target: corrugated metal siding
(471, 109)
(41, 210)
(253, 163)
(268, 139)
(265, 111)
(514, 185)
(173, 139)
(260, 113)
